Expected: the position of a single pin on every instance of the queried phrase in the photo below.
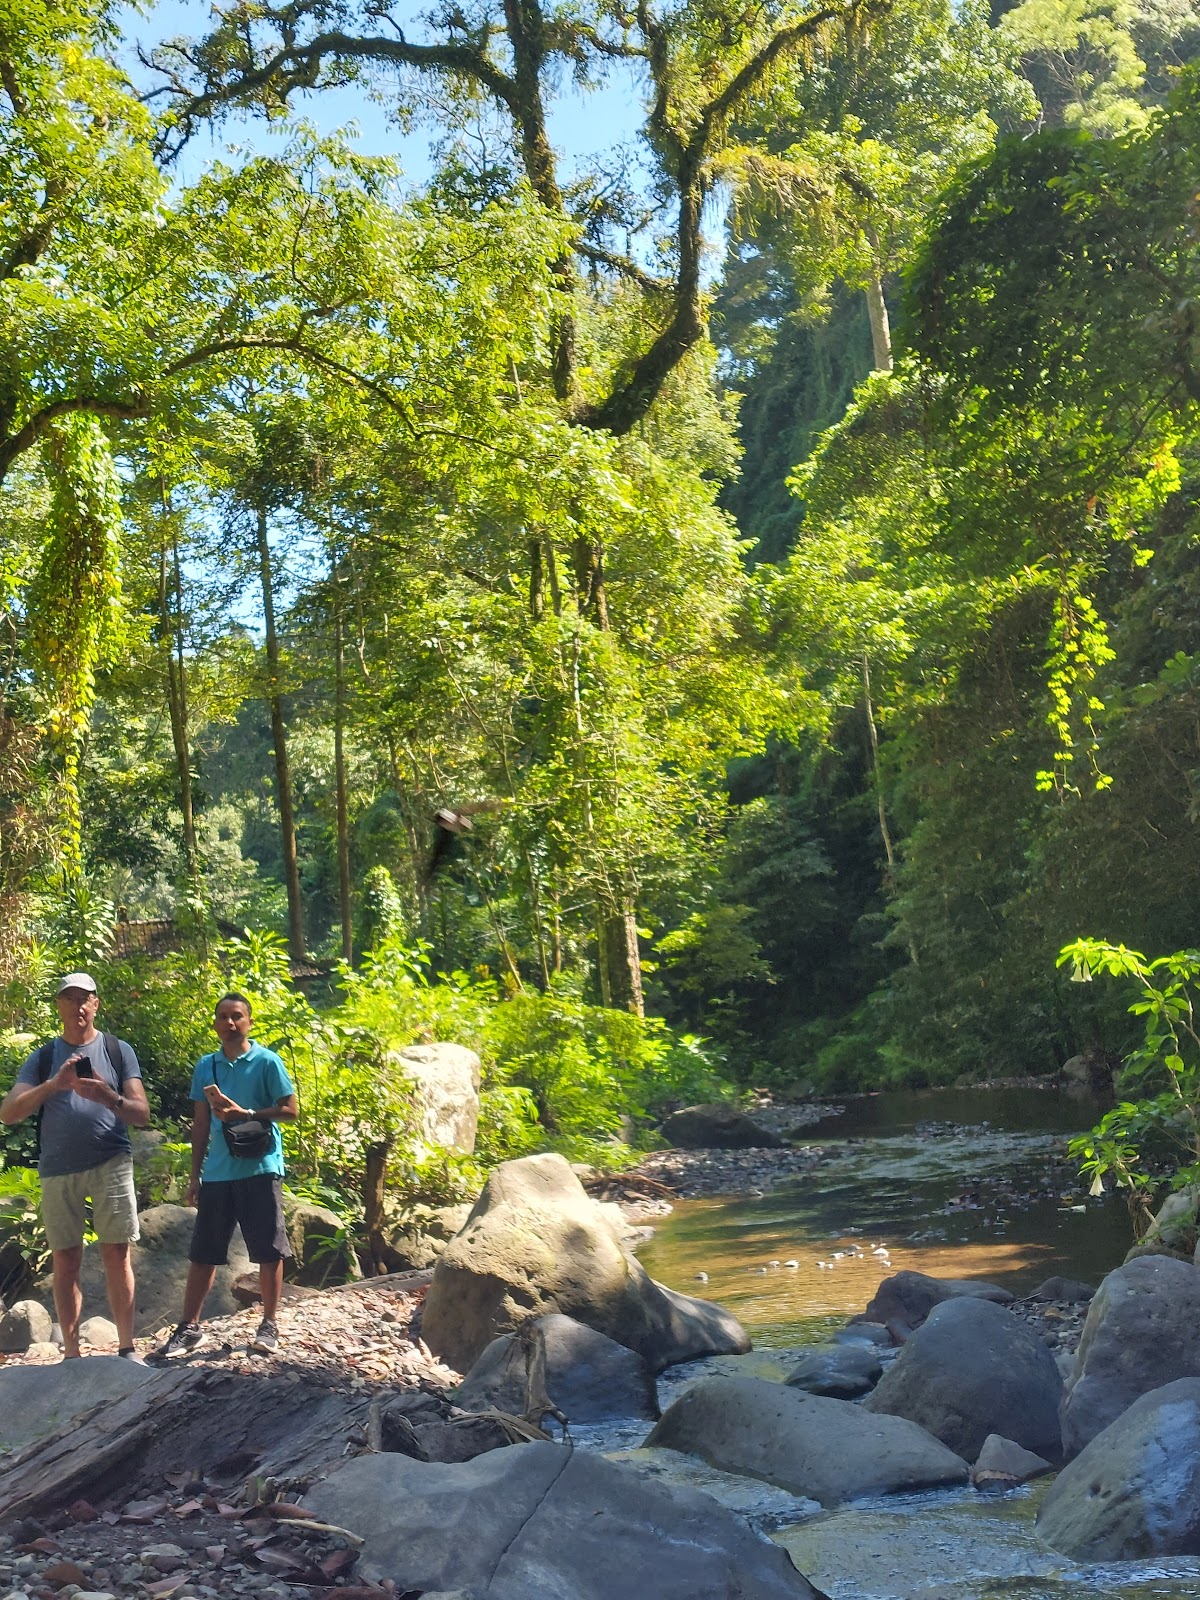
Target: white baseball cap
(77, 980)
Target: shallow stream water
(954, 1183)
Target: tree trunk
(374, 1192)
(177, 703)
(283, 771)
(881, 328)
(621, 976)
(339, 762)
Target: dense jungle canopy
(772, 543)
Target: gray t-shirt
(78, 1133)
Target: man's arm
(201, 1128)
(23, 1099)
(286, 1109)
(128, 1104)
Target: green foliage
(1165, 1121)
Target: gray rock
(1177, 1223)
(160, 1264)
(1134, 1490)
(534, 1243)
(862, 1332)
(841, 1371)
(1004, 1462)
(1142, 1330)
(446, 1080)
(903, 1301)
(24, 1323)
(1064, 1290)
(540, 1522)
(413, 1237)
(589, 1377)
(718, 1127)
(38, 1400)
(829, 1450)
(98, 1332)
(321, 1248)
(972, 1369)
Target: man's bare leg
(118, 1276)
(270, 1283)
(68, 1296)
(199, 1281)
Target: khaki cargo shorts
(114, 1206)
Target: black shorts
(253, 1204)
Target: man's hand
(222, 1107)
(66, 1078)
(192, 1197)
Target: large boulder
(829, 1450)
(160, 1264)
(589, 1377)
(903, 1301)
(414, 1236)
(840, 1371)
(538, 1522)
(35, 1401)
(322, 1251)
(718, 1127)
(535, 1242)
(1134, 1491)
(445, 1080)
(1142, 1330)
(972, 1368)
(1176, 1227)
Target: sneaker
(184, 1340)
(266, 1340)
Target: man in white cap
(86, 1087)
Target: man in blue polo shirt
(240, 1094)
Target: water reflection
(905, 1173)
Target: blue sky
(582, 125)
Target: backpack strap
(116, 1058)
(44, 1057)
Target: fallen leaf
(82, 1511)
(143, 1510)
(189, 1508)
(337, 1562)
(45, 1545)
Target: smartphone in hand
(83, 1069)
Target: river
(955, 1183)
(958, 1183)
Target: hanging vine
(75, 618)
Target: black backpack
(45, 1058)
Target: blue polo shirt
(256, 1080)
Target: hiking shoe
(184, 1340)
(266, 1340)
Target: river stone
(98, 1332)
(446, 1080)
(1142, 1330)
(414, 1236)
(903, 1301)
(38, 1400)
(322, 1252)
(718, 1127)
(971, 1369)
(1064, 1291)
(589, 1377)
(23, 1324)
(540, 1522)
(535, 1242)
(1134, 1490)
(861, 1332)
(1176, 1223)
(829, 1450)
(1003, 1462)
(841, 1371)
